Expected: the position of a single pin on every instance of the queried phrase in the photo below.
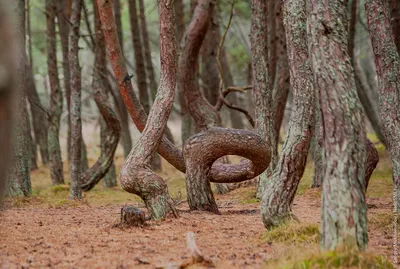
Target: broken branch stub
(203, 149)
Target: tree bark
(56, 100)
(277, 201)
(31, 138)
(262, 92)
(319, 150)
(387, 62)
(19, 183)
(126, 139)
(109, 127)
(395, 18)
(180, 20)
(8, 89)
(76, 123)
(136, 175)
(344, 219)
(272, 57)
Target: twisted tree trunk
(278, 197)
(110, 127)
(56, 100)
(262, 92)
(387, 62)
(344, 219)
(19, 182)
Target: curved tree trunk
(8, 88)
(110, 127)
(280, 190)
(136, 175)
(126, 140)
(19, 182)
(56, 100)
(262, 92)
(344, 219)
(387, 62)
(76, 123)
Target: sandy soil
(84, 236)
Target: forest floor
(48, 230)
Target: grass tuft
(293, 233)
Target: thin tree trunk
(387, 62)
(126, 139)
(8, 89)
(395, 18)
(76, 123)
(180, 20)
(262, 92)
(31, 141)
(319, 150)
(109, 127)
(19, 182)
(344, 219)
(273, 57)
(56, 100)
(277, 201)
(136, 175)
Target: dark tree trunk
(56, 100)
(180, 20)
(387, 62)
(344, 219)
(319, 150)
(8, 89)
(19, 182)
(31, 140)
(277, 201)
(281, 89)
(109, 127)
(272, 57)
(126, 139)
(395, 18)
(76, 123)
(262, 92)
(39, 117)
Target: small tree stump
(132, 216)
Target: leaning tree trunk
(56, 100)
(110, 127)
(344, 219)
(262, 91)
(136, 175)
(76, 123)
(19, 182)
(8, 87)
(277, 201)
(388, 68)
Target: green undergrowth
(293, 232)
(331, 259)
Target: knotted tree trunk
(344, 219)
(281, 188)
(388, 68)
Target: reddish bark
(395, 18)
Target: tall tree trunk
(76, 123)
(281, 89)
(277, 201)
(8, 89)
(136, 175)
(31, 140)
(344, 219)
(180, 20)
(126, 139)
(56, 100)
(319, 150)
(272, 57)
(387, 62)
(109, 125)
(19, 182)
(262, 91)
(395, 18)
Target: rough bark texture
(8, 85)
(344, 219)
(136, 175)
(272, 57)
(110, 127)
(395, 17)
(139, 61)
(281, 188)
(371, 162)
(262, 92)
(126, 139)
(319, 150)
(39, 117)
(203, 149)
(19, 182)
(76, 123)
(56, 100)
(387, 62)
